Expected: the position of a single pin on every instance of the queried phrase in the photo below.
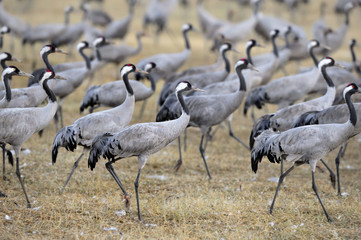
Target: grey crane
(5, 56)
(86, 128)
(116, 53)
(333, 114)
(141, 140)
(286, 90)
(200, 80)
(169, 62)
(95, 16)
(354, 64)
(74, 78)
(17, 25)
(215, 109)
(6, 75)
(113, 94)
(305, 144)
(118, 29)
(334, 38)
(284, 118)
(72, 33)
(238, 31)
(18, 124)
(3, 30)
(157, 13)
(208, 23)
(44, 53)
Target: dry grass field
(182, 205)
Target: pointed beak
(339, 65)
(259, 45)
(141, 71)
(59, 77)
(61, 51)
(235, 50)
(198, 89)
(250, 66)
(24, 74)
(325, 47)
(15, 59)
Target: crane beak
(15, 59)
(61, 51)
(141, 71)
(339, 65)
(235, 50)
(59, 77)
(250, 66)
(197, 89)
(260, 45)
(24, 74)
(325, 47)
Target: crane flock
(201, 96)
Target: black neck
(86, 59)
(275, 50)
(182, 103)
(287, 40)
(242, 82)
(353, 55)
(188, 46)
(127, 84)
(6, 80)
(3, 64)
(152, 82)
(347, 17)
(351, 108)
(327, 77)
(47, 63)
(48, 91)
(66, 22)
(226, 61)
(99, 57)
(315, 61)
(248, 52)
(1, 41)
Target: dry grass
(184, 205)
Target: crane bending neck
(182, 103)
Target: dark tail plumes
(257, 96)
(261, 124)
(90, 99)
(98, 146)
(307, 118)
(64, 138)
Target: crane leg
(180, 160)
(332, 174)
(136, 184)
(203, 157)
(76, 163)
(185, 139)
(279, 184)
(337, 161)
(318, 196)
(142, 109)
(110, 168)
(235, 137)
(4, 150)
(21, 181)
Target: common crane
(305, 144)
(141, 140)
(86, 128)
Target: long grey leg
(318, 196)
(17, 152)
(332, 174)
(110, 168)
(142, 109)
(235, 137)
(180, 160)
(76, 163)
(136, 184)
(203, 157)
(279, 184)
(337, 162)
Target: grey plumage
(141, 140)
(18, 124)
(86, 128)
(284, 118)
(95, 16)
(114, 93)
(215, 108)
(169, 62)
(305, 144)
